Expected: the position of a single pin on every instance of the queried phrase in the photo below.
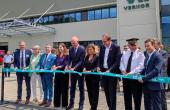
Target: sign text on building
(137, 4)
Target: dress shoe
(43, 103)
(70, 107)
(27, 102)
(80, 107)
(18, 101)
(35, 100)
(48, 104)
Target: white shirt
(137, 63)
(8, 58)
(105, 65)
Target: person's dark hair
(152, 41)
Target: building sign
(136, 4)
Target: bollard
(2, 89)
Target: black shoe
(48, 104)
(70, 107)
(80, 107)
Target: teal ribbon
(133, 77)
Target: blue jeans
(47, 84)
(20, 77)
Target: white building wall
(140, 23)
(87, 30)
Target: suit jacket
(50, 61)
(151, 70)
(61, 61)
(168, 65)
(91, 65)
(165, 58)
(76, 59)
(113, 60)
(17, 58)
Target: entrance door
(4, 46)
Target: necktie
(45, 59)
(146, 63)
(75, 50)
(129, 63)
(22, 59)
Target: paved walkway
(10, 96)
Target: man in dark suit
(164, 71)
(152, 68)
(109, 59)
(168, 68)
(76, 59)
(21, 61)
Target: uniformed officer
(132, 63)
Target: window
(46, 19)
(166, 19)
(105, 13)
(98, 14)
(91, 15)
(40, 20)
(78, 16)
(51, 18)
(165, 31)
(113, 12)
(66, 18)
(72, 17)
(59, 19)
(165, 2)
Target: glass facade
(105, 13)
(91, 15)
(76, 16)
(165, 2)
(165, 22)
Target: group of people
(109, 58)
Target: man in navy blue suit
(152, 68)
(165, 57)
(21, 61)
(109, 60)
(76, 59)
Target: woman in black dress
(92, 81)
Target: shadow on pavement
(31, 106)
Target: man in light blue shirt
(8, 60)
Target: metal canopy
(19, 27)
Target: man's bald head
(74, 41)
